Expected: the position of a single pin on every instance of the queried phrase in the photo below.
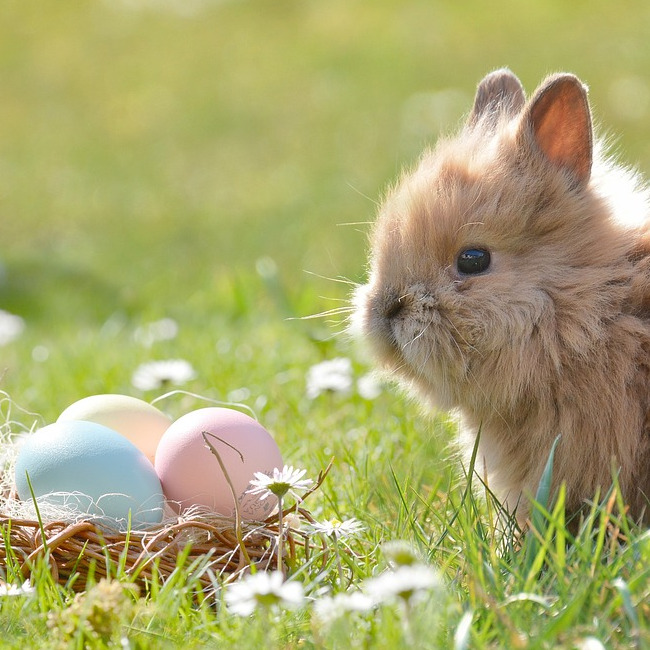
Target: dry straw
(77, 548)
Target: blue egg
(91, 469)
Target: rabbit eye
(473, 260)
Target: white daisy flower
(164, 329)
(400, 553)
(11, 327)
(338, 529)
(329, 608)
(285, 481)
(158, 374)
(263, 589)
(590, 643)
(16, 590)
(407, 583)
(334, 376)
(368, 386)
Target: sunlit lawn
(218, 163)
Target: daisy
(333, 376)
(262, 589)
(329, 608)
(11, 327)
(338, 529)
(400, 553)
(407, 583)
(590, 643)
(368, 386)
(157, 374)
(16, 590)
(164, 329)
(282, 482)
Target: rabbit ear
(500, 91)
(559, 121)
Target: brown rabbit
(510, 278)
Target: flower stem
(406, 621)
(280, 535)
(338, 561)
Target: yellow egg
(138, 421)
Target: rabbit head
(499, 264)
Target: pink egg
(191, 475)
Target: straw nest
(215, 545)
(77, 548)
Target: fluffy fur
(554, 337)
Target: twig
(238, 526)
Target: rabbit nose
(393, 308)
(394, 304)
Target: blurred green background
(210, 160)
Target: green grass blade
(539, 515)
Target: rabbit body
(509, 278)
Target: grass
(201, 165)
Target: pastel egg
(191, 474)
(91, 469)
(138, 421)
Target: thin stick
(238, 526)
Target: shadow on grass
(49, 291)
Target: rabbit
(509, 279)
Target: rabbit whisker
(462, 338)
(365, 196)
(417, 336)
(476, 382)
(340, 279)
(335, 311)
